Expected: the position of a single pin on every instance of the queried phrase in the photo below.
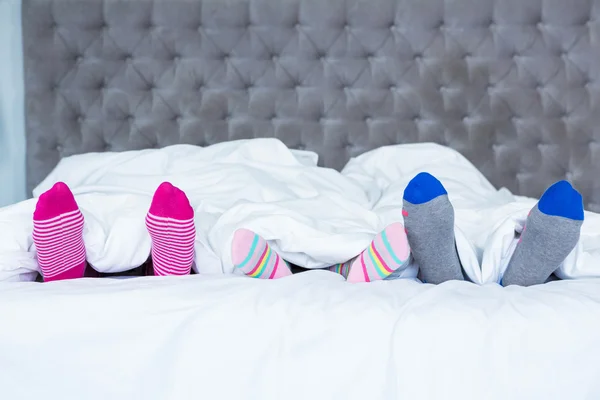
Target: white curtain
(12, 124)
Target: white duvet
(217, 335)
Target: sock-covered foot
(551, 232)
(253, 256)
(386, 253)
(342, 269)
(58, 234)
(429, 220)
(170, 223)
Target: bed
(512, 86)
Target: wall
(12, 129)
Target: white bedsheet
(310, 336)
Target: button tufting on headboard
(514, 85)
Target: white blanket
(312, 335)
(314, 217)
(486, 219)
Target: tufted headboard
(514, 85)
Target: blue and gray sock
(551, 232)
(429, 222)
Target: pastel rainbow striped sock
(253, 256)
(342, 269)
(386, 253)
(58, 235)
(170, 222)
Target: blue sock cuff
(423, 188)
(562, 200)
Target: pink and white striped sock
(170, 223)
(58, 235)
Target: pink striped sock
(342, 269)
(253, 255)
(386, 253)
(170, 223)
(58, 235)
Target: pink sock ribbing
(386, 253)
(170, 223)
(253, 255)
(58, 234)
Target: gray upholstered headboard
(512, 84)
